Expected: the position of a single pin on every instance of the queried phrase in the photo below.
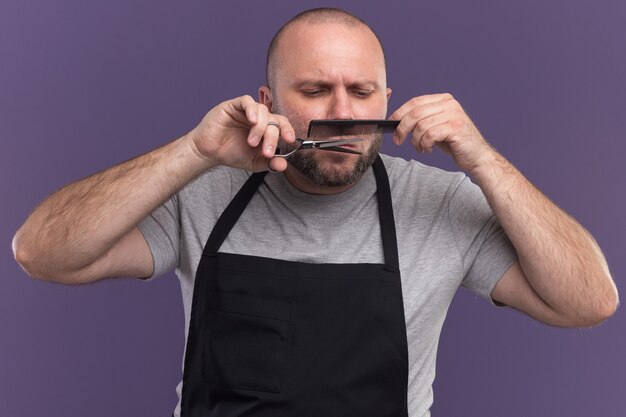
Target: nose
(341, 105)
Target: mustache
(322, 132)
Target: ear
(265, 96)
(388, 94)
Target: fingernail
(254, 140)
(269, 150)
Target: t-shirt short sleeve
(486, 251)
(161, 229)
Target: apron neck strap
(232, 212)
(385, 213)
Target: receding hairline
(313, 16)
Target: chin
(332, 169)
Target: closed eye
(313, 93)
(362, 93)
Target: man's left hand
(440, 119)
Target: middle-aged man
(322, 288)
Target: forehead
(323, 50)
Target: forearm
(87, 230)
(79, 223)
(561, 261)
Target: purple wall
(85, 85)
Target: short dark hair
(319, 15)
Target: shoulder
(213, 188)
(415, 177)
(218, 179)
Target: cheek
(299, 120)
(307, 113)
(375, 109)
(300, 124)
(296, 108)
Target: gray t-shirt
(447, 237)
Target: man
(320, 290)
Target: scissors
(323, 145)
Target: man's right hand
(241, 133)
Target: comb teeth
(322, 132)
(321, 129)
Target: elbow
(590, 313)
(611, 300)
(610, 305)
(39, 266)
(22, 254)
(26, 258)
(599, 315)
(44, 266)
(603, 308)
(29, 260)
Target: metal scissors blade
(323, 145)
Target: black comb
(321, 129)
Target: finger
(425, 125)
(427, 122)
(258, 129)
(278, 128)
(412, 118)
(287, 132)
(435, 134)
(277, 164)
(418, 101)
(270, 139)
(247, 105)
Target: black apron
(275, 338)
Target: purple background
(85, 85)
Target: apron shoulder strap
(385, 214)
(232, 213)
